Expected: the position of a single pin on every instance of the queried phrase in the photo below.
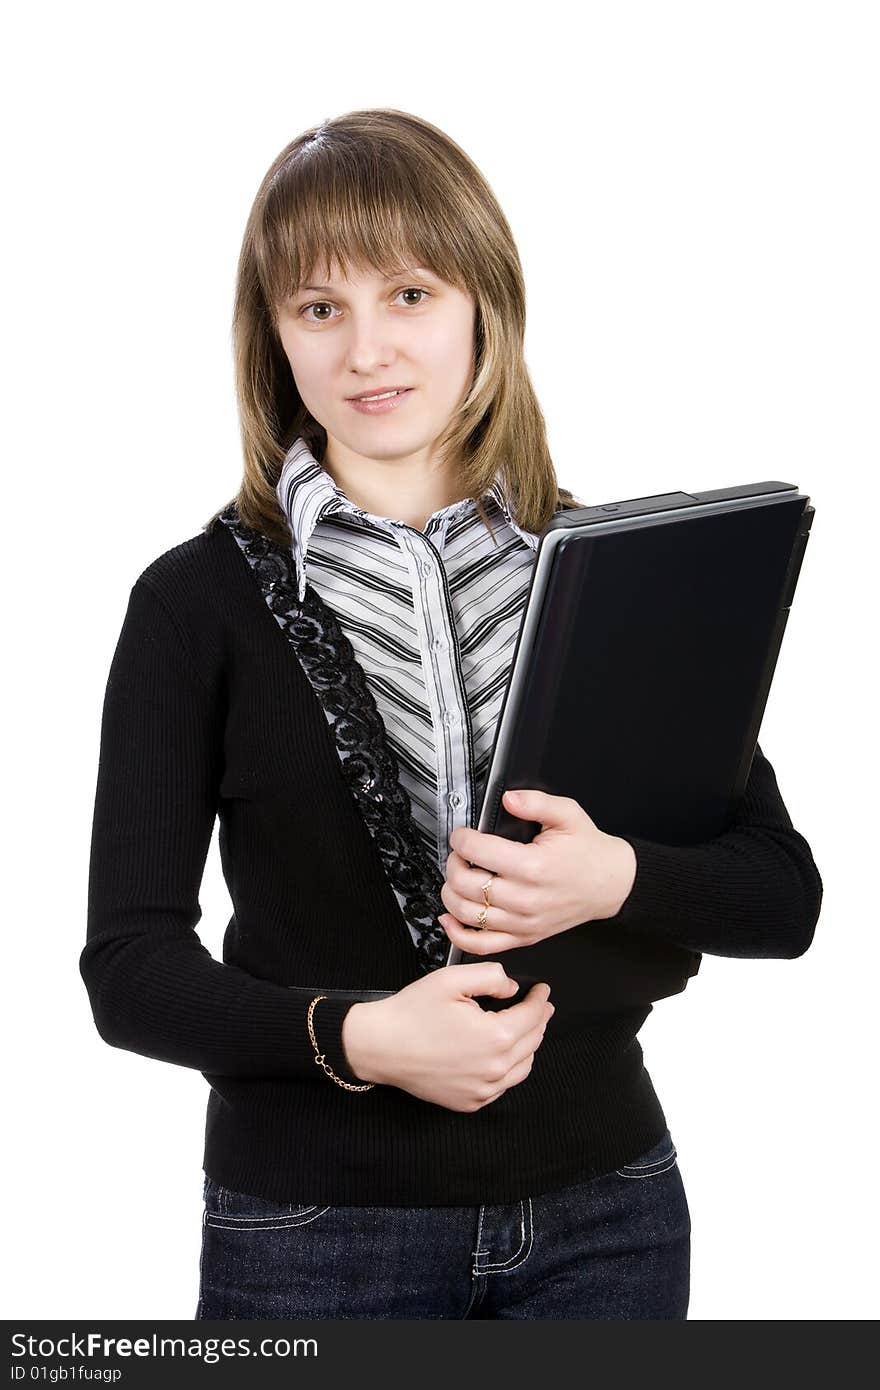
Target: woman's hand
(432, 1038)
(572, 872)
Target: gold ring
(484, 910)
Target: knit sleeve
(154, 987)
(752, 891)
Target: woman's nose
(370, 343)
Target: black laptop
(643, 664)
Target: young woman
(322, 667)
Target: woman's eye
(323, 304)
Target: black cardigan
(213, 707)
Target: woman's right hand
(432, 1038)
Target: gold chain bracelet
(320, 1059)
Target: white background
(693, 190)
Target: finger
(512, 1078)
(530, 1012)
(480, 942)
(519, 1069)
(467, 911)
(529, 1042)
(467, 881)
(493, 851)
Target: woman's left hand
(572, 872)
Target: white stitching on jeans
(479, 1251)
(661, 1159)
(269, 1216)
(514, 1262)
(654, 1171)
(267, 1223)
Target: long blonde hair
(371, 189)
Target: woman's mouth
(385, 402)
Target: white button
(450, 716)
(438, 644)
(455, 798)
(426, 567)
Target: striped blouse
(433, 618)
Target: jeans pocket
(242, 1211)
(654, 1161)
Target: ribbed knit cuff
(656, 891)
(708, 897)
(328, 1017)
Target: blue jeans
(617, 1246)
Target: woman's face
(370, 333)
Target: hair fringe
(373, 188)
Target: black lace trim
(368, 761)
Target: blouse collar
(307, 492)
